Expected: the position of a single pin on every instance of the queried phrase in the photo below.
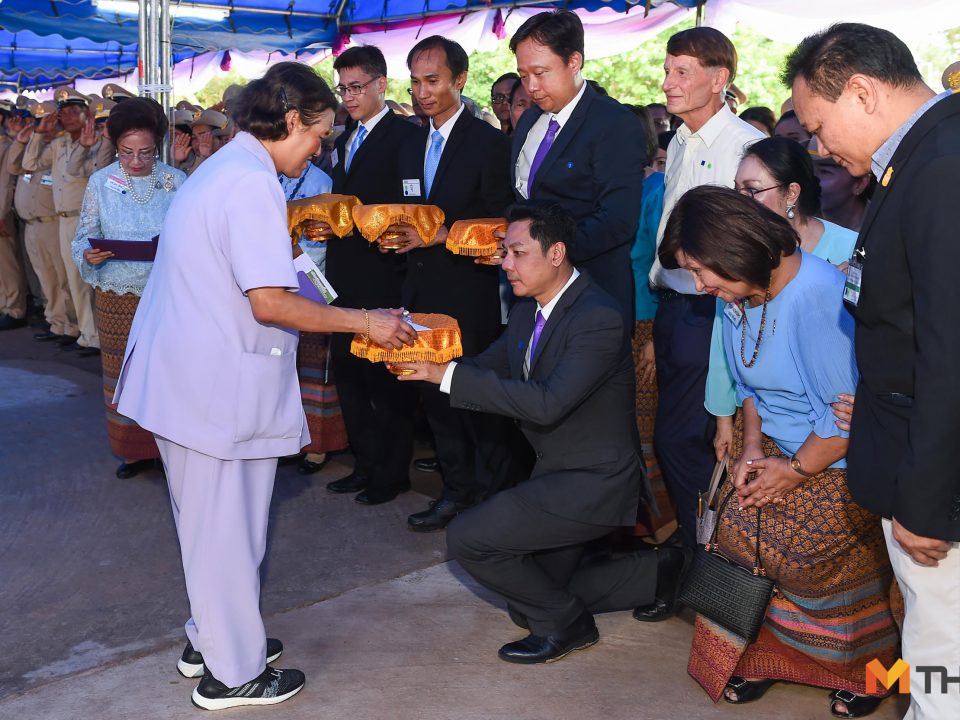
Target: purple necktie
(552, 129)
(537, 329)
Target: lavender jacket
(199, 369)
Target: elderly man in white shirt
(701, 63)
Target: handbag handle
(712, 545)
(716, 480)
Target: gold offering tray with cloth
(373, 220)
(438, 342)
(475, 238)
(334, 210)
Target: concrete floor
(92, 598)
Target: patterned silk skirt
(319, 394)
(660, 521)
(831, 612)
(114, 314)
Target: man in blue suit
(579, 149)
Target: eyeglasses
(354, 88)
(498, 98)
(142, 155)
(753, 192)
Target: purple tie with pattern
(537, 329)
(552, 129)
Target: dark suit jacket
(472, 181)
(577, 409)
(595, 170)
(902, 458)
(358, 271)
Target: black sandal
(746, 690)
(857, 705)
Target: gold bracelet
(366, 320)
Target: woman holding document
(210, 369)
(124, 201)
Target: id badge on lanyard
(851, 289)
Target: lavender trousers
(221, 508)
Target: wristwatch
(798, 468)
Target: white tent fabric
(790, 21)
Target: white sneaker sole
(189, 670)
(224, 703)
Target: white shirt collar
(447, 127)
(372, 122)
(545, 310)
(564, 115)
(711, 130)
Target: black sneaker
(269, 688)
(190, 664)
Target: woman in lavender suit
(210, 370)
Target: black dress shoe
(535, 649)
(69, 347)
(66, 340)
(378, 496)
(291, 459)
(132, 469)
(88, 352)
(437, 516)
(350, 484)
(428, 464)
(11, 323)
(671, 562)
(47, 336)
(309, 467)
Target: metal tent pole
(143, 59)
(166, 71)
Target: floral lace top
(109, 213)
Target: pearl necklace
(151, 188)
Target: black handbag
(731, 595)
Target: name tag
(411, 188)
(27, 177)
(851, 290)
(733, 313)
(117, 185)
(46, 180)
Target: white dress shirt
(369, 125)
(544, 310)
(444, 129)
(709, 156)
(536, 135)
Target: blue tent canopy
(288, 25)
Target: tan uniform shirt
(84, 162)
(7, 181)
(67, 189)
(192, 162)
(33, 197)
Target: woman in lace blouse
(126, 200)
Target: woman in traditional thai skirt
(126, 200)
(789, 343)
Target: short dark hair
(826, 60)
(262, 106)
(710, 46)
(505, 76)
(664, 138)
(550, 224)
(518, 83)
(762, 115)
(736, 237)
(366, 57)
(139, 113)
(457, 59)
(789, 162)
(559, 30)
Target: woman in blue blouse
(789, 342)
(778, 173)
(126, 200)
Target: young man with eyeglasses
(377, 410)
(500, 99)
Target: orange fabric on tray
(334, 210)
(475, 237)
(372, 220)
(440, 344)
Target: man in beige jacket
(67, 197)
(13, 282)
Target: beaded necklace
(743, 333)
(151, 187)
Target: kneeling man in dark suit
(563, 371)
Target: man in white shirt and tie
(700, 65)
